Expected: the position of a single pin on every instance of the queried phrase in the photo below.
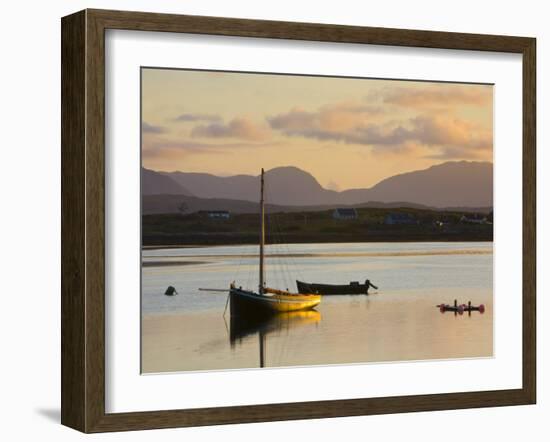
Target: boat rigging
(267, 300)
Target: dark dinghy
(353, 288)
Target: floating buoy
(461, 308)
(170, 291)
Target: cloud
(151, 129)
(295, 122)
(444, 134)
(440, 96)
(439, 130)
(453, 153)
(176, 152)
(198, 117)
(241, 128)
(170, 149)
(327, 124)
(331, 122)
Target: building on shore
(474, 219)
(344, 214)
(218, 214)
(400, 219)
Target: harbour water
(397, 322)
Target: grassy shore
(310, 227)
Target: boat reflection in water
(242, 327)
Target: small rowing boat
(353, 288)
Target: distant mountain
(287, 186)
(451, 184)
(460, 184)
(155, 183)
(205, 185)
(295, 187)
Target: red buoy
(442, 308)
(460, 309)
(481, 308)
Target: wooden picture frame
(83, 220)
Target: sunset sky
(348, 133)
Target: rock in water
(170, 291)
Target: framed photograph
(270, 220)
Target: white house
(218, 214)
(344, 213)
(474, 219)
(400, 218)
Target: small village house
(399, 219)
(344, 214)
(474, 218)
(218, 214)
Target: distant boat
(353, 288)
(268, 300)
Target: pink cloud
(241, 128)
(329, 122)
(438, 96)
(151, 128)
(442, 133)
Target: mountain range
(451, 184)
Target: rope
(286, 250)
(287, 277)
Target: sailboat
(267, 300)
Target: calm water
(397, 322)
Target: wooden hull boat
(353, 288)
(246, 302)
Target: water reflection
(245, 327)
(188, 332)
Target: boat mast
(262, 348)
(262, 234)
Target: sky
(346, 132)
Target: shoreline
(152, 263)
(171, 263)
(246, 243)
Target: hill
(157, 204)
(451, 184)
(155, 183)
(287, 186)
(463, 183)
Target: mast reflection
(243, 327)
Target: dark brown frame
(83, 217)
